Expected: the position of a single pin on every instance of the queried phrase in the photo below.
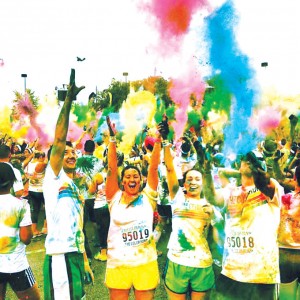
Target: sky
(43, 38)
(187, 42)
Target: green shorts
(180, 279)
(64, 276)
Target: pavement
(36, 253)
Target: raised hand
(163, 127)
(111, 127)
(73, 90)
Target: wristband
(112, 139)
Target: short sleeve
(279, 192)
(150, 193)
(18, 184)
(26, 216)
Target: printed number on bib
(240, 242)
(135, 237)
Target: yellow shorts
(142, 278)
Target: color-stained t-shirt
(89, 165)
(36, 179)
(289, 230)
(64, 214)
(18, 184)
(251, 250)
(14, 213)
(188, 245)
(130, 236)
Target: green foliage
(112, 97)
(33, 99)
(194, 120)
(161, 87)
(81, 111)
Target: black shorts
(289, 263)
(89, 210)
(19, 281)
(227, 288)
(164, 210)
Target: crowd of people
(235, 224)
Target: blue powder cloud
(233, 66)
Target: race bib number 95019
(135, 235)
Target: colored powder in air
(136, 112)
(267, 120)
(233, 67)
(173, 19)
(216, 98)
(181, 90)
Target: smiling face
(70, 158)
(131, 181)
(193, 184)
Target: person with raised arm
(189, 262)
(131, 253)
(65, 261)
(250, 268)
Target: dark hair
(283, 142)
(89, 146)
(130, 167)
(185, 147)
(69, 143)
(4, 151)
(7, 176)
(255, 161)
(186, 172)
(39, 154)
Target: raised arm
(261, 178)
(172, 180)
(27, 160)
(62, 126)
(112, 184)
(152, 177)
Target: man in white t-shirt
(65, 261)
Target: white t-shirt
(64, 214)
(188, 245)
(251, 250)
(100, 200)
(15, 213)
(18, 184)
(130, 237)
(35, 183)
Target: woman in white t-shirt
(131, 255)
(15, 234)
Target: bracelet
(112, 139)
(165, 143)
